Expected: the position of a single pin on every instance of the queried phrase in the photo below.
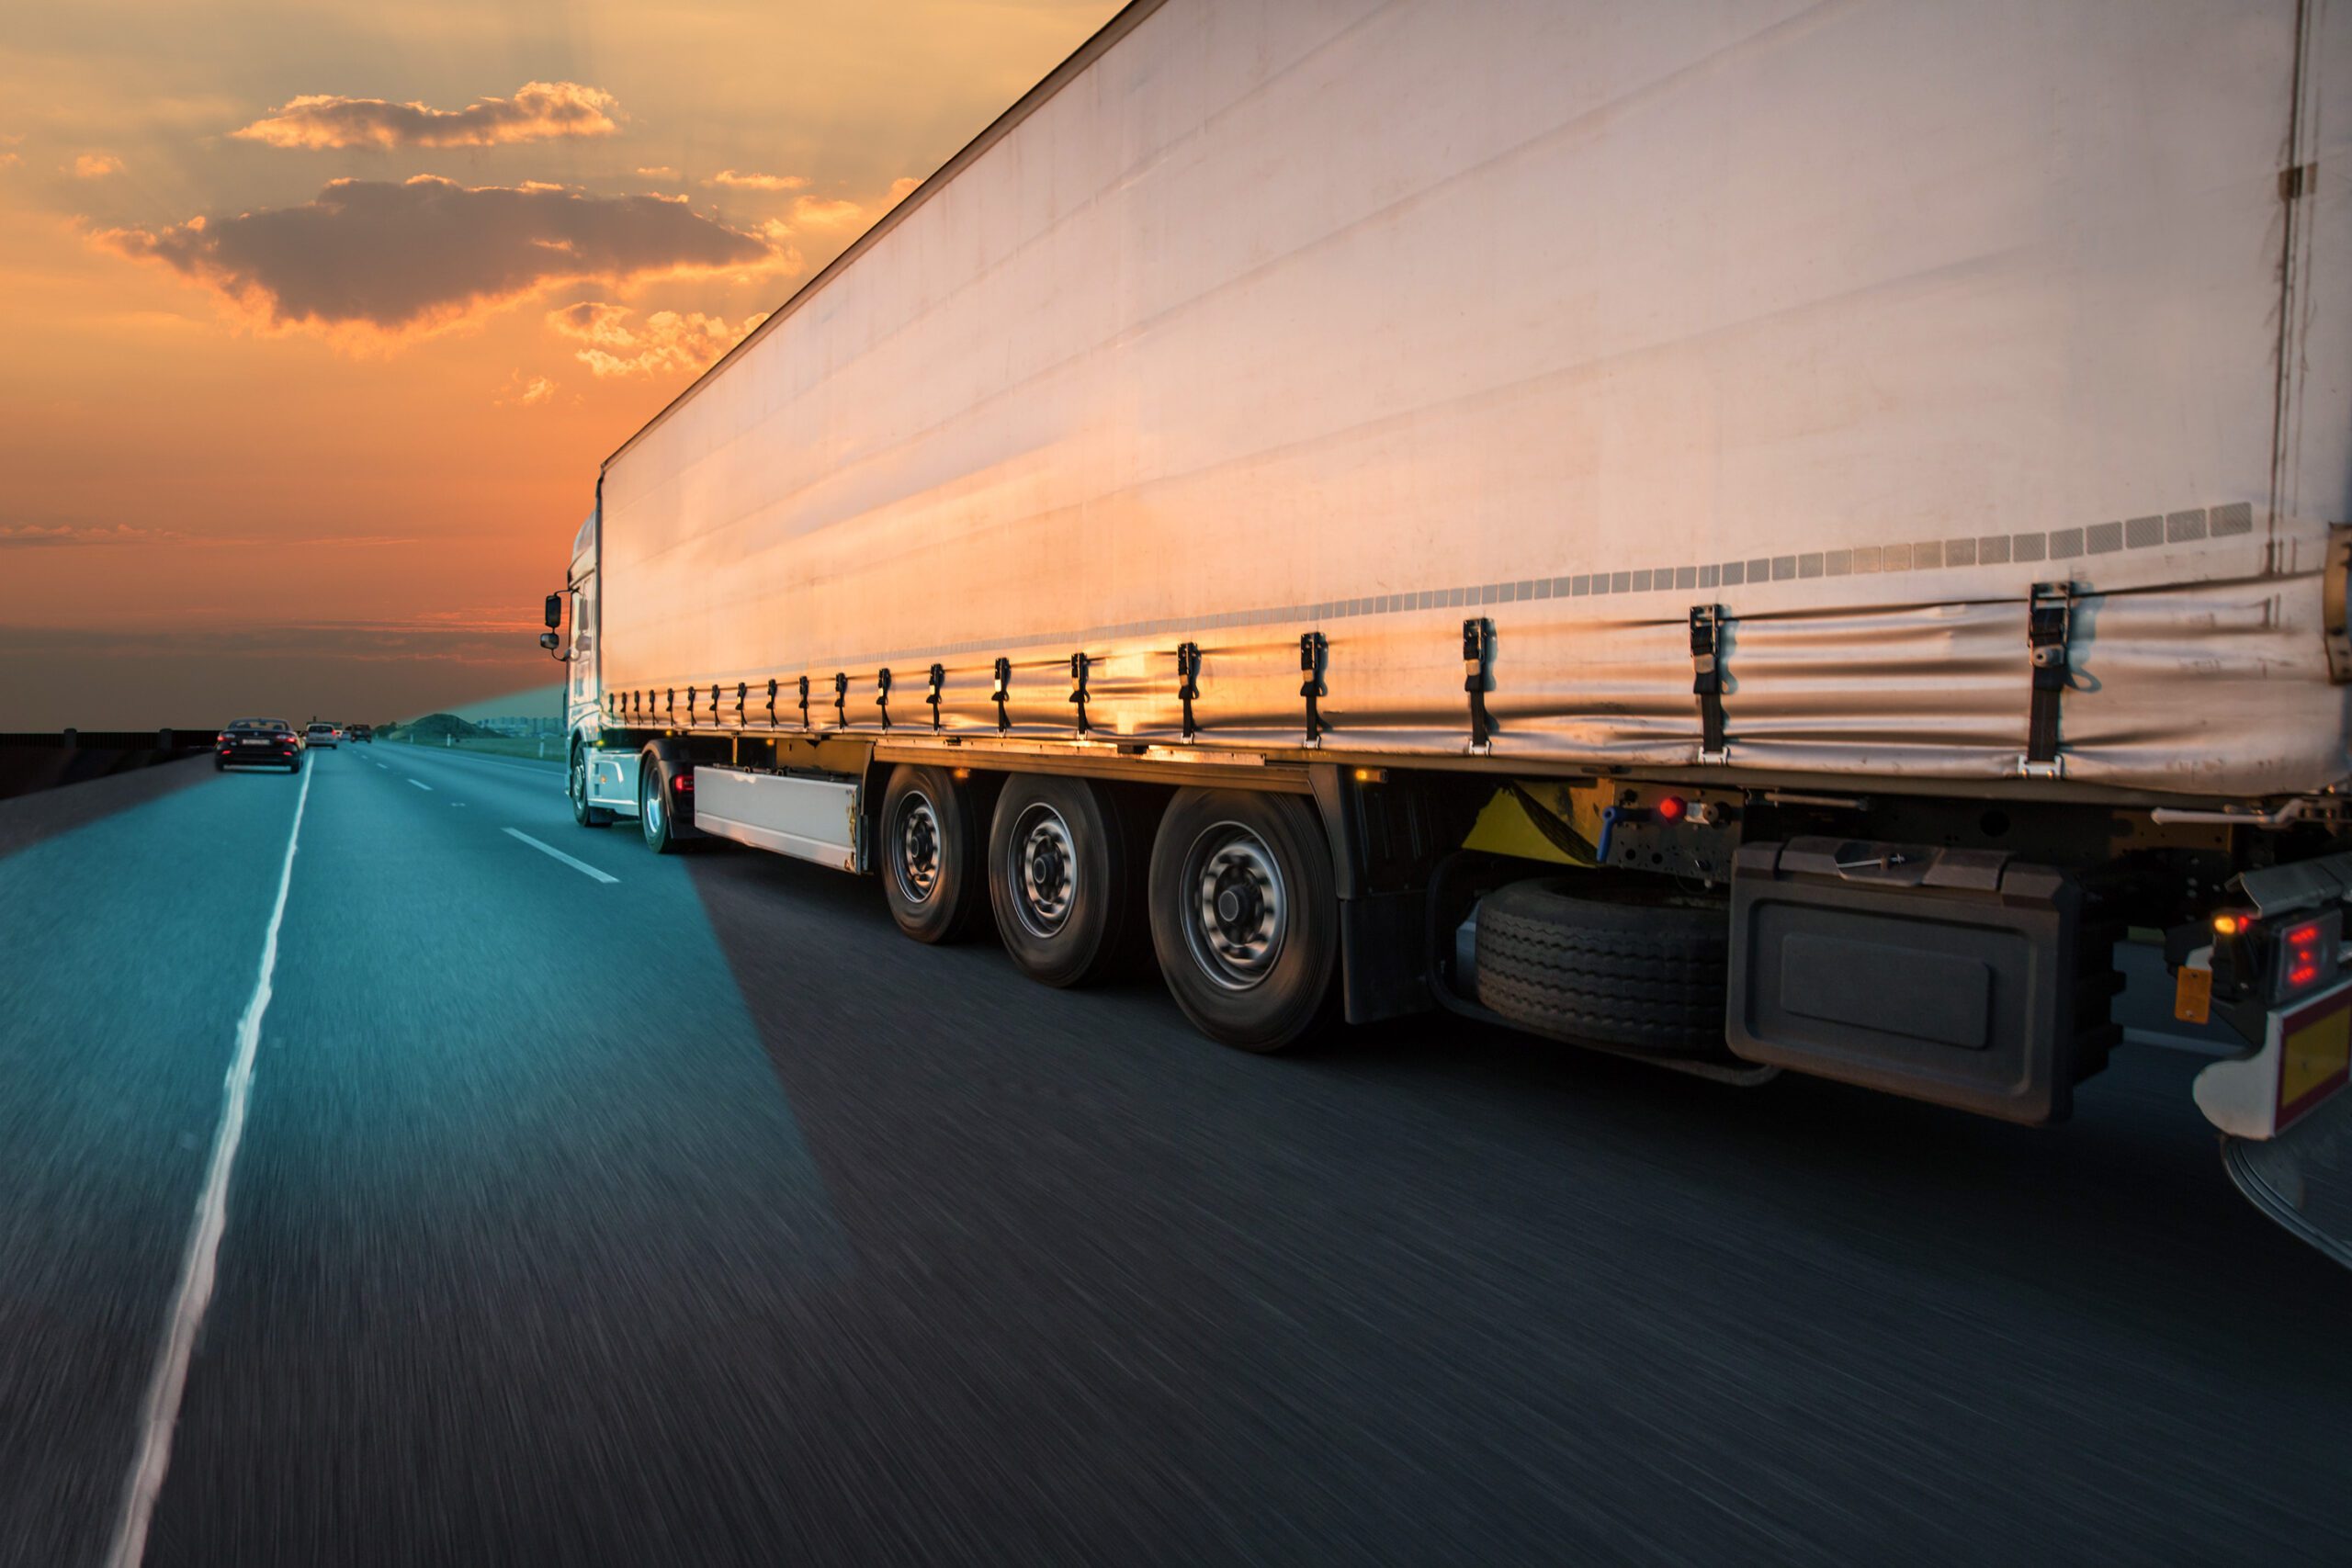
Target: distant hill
(532, 701)
(436, 727)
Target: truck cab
(602, 782)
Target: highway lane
(694, 1216)
(127, 948)
(485, 1198)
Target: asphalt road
(693, 1216)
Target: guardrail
(46, 759)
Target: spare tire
(1625, 961)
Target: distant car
(322, 734)
(259, 742)
(363, 732)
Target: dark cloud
(83, 535)
(396, 255)
(25, 535)
(542, 109)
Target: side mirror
(550, 640)
(554, 610)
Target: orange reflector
(1671, 808)
(2228, 925)
(2192, 995)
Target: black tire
(219, 766)
(1063, 878)
(575, 786)
(1245, 915)
(933, 850)
(295, 766)
(656, 817)
(1621, 960)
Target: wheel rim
(579, 787)
(1044, 870)
(915, 858)
(651, 796)
(1236, 914)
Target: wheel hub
(1046, 863)
(1239, 914)
(917, 866)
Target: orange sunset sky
(315, 320)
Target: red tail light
(1671, 808)
(2303, 962)
(683, 784)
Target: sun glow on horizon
(322, 333)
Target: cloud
(538, 111)
(525, 391)
(96, 165)
(666, 340)
(659, 172)
(822, 212)
(901, 188)
(736, 180)
(25, 536)
(396, 257)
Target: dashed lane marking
(420, 784)
(162, 1411)
(579, 866)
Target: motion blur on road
(848, 1250)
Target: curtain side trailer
(1775, 539)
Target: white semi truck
(1760, 535)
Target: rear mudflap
(2302, 1179)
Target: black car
(259, 742)
(362, 732)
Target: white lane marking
(421, 784)
(194, 1294)
(551, 849)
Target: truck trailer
(1754, 535)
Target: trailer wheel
(576, 787)
(1245, 915)
(655, 815)
(935, 873)
(1614, 959)
(1061, 877)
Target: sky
(316, 320)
